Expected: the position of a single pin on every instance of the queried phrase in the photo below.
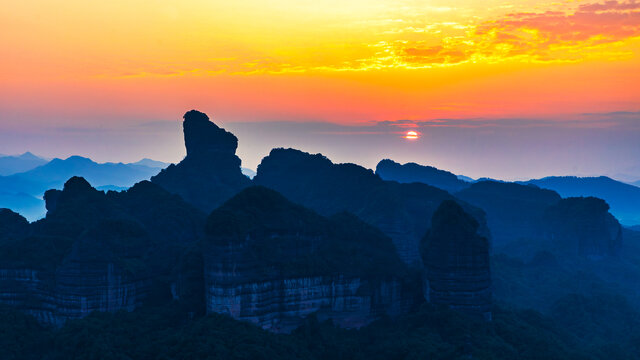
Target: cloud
(550, 36)
(562, 34)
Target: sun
(412, 135)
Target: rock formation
(412, 172)
(525, 219)
(399, 210)
(583, 226)
(94, 251)
(210, 173)
(513, 211)
(272, 263)
(12, 224)
(456, 258)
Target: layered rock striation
(271, 262)
(94, 251)
(456, 259)
(210, 173)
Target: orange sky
(105, 65)
(340, 61)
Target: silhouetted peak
(77, 184)
(260, 197)
(204, 138)
(453, 233)
(390, 164)
(301, 164)
(258, 208)
(29, 156)
(451, 221)
(585, 222)
(412, 172)
(11, 223)
(78, 159)
(456, 261)
(51, 199)
(281, 158)
(195, 115)
(210, 173)
(75, 189)
(146, 186)
(8, 215)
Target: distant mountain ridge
(151, 163)
(412, 172)
(624, 199)
(13, 164)
(22, 192)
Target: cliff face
(271, 262)
(210, 173)
(456, 258)
(280, 304)
(94, 251)
(73, 292)
(399, 210)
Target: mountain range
(623, 198)
(24, 178)
(23, 191)
(19, 163)
(200, 259)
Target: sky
(503, 89)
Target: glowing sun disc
(412, 135)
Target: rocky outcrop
(12, 224)
(272, 263)
(583, 226)
(513, 211)
(30, 291)
(210, 173)
(525, 219)
(412, 172)
(456, 258)
(93, 278)
(280, 305)
(100, 272)
(399, 210)
(95, 251)
(71, 293)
